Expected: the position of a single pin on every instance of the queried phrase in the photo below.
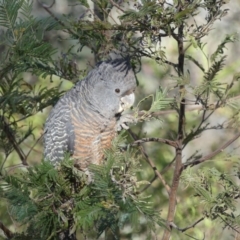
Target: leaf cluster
(217, 193)
(211, 84)
(24, 49)
(51, 200)
(159, 102)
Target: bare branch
(13, 141)
(197, 106)
(151, 163)
(11, 168)
(144, 140)
(211, 155)
(191, 226)
(32, 147)
(180, 137)
(230, 226)
(158, 59)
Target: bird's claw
(123, 120)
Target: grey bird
(85, 120)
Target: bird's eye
(117, 90)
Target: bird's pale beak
(126, 102)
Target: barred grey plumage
(84, 120)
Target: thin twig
(11, 168)
(144, 140)
(13, 141)
(193, 237)
(164, 170)
(211, 155)
(32, 147)
(229, 225)
(116, 5)
(150, 56)
(151, 163)
(167, 167)
(191, 108)
(191, 226)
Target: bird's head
(113, 84)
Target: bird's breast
(90, 140)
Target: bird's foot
(123, 121)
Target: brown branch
(191, 108)
(156, 59)
(6, 231)
(168, 166)
(32, 147)
(227, 224)
(151, 163)
(13, 141)
(211, 155)
(116, 5)
(191, 226)
(164, 170)
(180, 137)
(144, 140)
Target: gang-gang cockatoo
(85, 120)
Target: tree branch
(13, 141)
(116, 5)
(180, 137)
(191, 108)
(211, 155)
(156, 59)
(191, 226)
(151, 163)
(144, 140)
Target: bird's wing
(58, 135)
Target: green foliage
(216, 192)
(24, 50)
(37, 57)
(51, 200)
(220, 49)
(159, 101)
(212, 86)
